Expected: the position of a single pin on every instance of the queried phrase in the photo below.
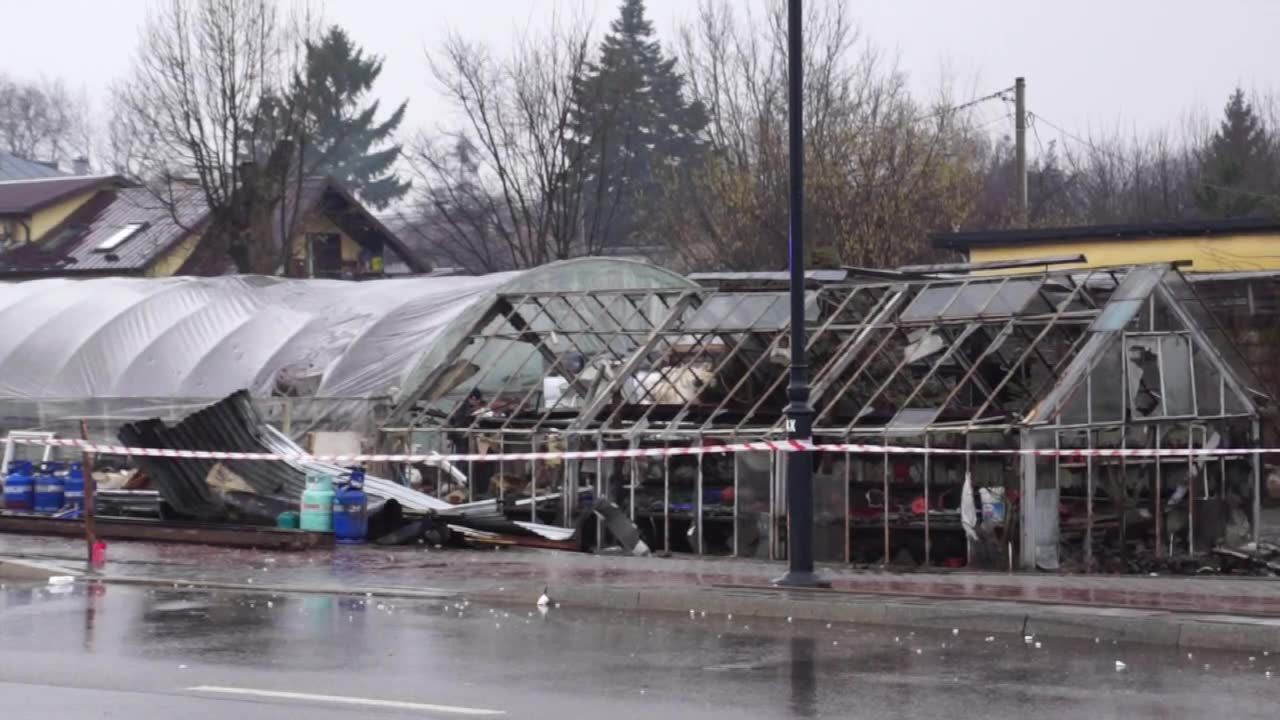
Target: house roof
(73, 246)
(13, 167)
(23, 197)
(1038, 236)
(326, 194)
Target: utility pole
(1020, 138)
(799, 412)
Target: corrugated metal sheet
(235, 425)
(72, 248)
(13, 167)
(23, 197)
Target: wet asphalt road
(122, 652)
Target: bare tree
(506, 188)
(41, 120)
(191, 115)
(881, 169)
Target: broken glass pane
(767, 311)
(1175, 369)
(1076, 410)
(913, 418)
(1208, 324)
(923, 344)
(1208, 385)
(971, 299)
(1234, 405)
(748, 311)
(1107, 389)
(929, 303)
(1142, 365)
(1013, 297)
(1139, 283)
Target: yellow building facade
(1243, 245)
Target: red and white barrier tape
(651, 452)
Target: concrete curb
(31, 570)
(1052, 621)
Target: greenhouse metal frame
(1110, 358)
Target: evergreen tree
(634, 127)
(1235, 173)
(341, 136)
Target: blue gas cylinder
(73, 488)
(50, 488)
(19, 487)
(351, 509)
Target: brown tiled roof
(71, 248)
(23, 197)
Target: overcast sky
(1133, 65)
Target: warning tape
(785, 446)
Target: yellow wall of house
(322, 224)
(350, 248)
(1220, 253)
(45, 220)
(169, 264)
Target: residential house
(92, 226)
(1235, 245)
(30, 209)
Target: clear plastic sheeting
(207, 337)
(200, 339)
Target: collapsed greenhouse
(606, 354)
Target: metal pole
(1255, 435)
(1020, 152)
(800, 414)
(90, 491)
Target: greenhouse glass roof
(1064, 348)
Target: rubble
(256, 493)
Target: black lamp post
(799, 412)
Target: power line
(1073, 136)
(1128, 167)
(1000, 94)
(1031, 118)
(1004, 118)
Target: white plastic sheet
(194, 339)
(207, 337)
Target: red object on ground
(918, 506)
(99, 554)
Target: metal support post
(799, 412)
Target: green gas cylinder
(317, 503)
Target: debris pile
(257, 493)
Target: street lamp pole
(800, 414)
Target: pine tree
(341, 136)
(1234, 175)
(635, 127)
